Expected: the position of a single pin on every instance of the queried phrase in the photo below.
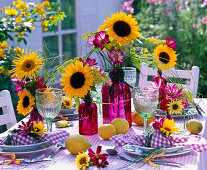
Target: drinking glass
(130, 75)
(49, 101)
(145, 103)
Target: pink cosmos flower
(25, 128)
(89, 61)
(117, 56)
(95, 157)
(168, 10)
(90, 41)
(172, 91)
(187, 2)
(164, 104)
(127, 6)
(204, 4)
(100, 38)
(154, 37)
(158, 123)
(20, 84)
(171, 42)
(204, 20)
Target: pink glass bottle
(117, 97)
(88, 122)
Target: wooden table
(64, 160)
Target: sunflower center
(77, 80)
(82, 161)
(168, 129)
(175, 107)
(164, 57)
(28, 65)
(122, 28)
(25, 101)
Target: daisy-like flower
(121, 27)
(158, 123)
(39, 128)
(164, 57)
(164, 104)
(89, 61)
(25, 103)
(175, 107)
(82, 160)
(25, 128)
(104, 163)
(171, 42)
(100, 39)
(77, 80)
(169, 127)
(27, 65)
(162, 94)
(90, 41)
(172, 91)
(117, 56)
(95, 157)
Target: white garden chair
(191, 77)
(8, 118)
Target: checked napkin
(194, 142)
(52, 137)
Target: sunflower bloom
(169, 127)
(39, 128)
(121, 27)
(67, 103)
(82, 160)
(25, 103)
(175, 107)
(26, 65)
(164, 57)
(77, 80)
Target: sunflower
(165, 57)
(82, 160)
(25, 103)
(175, 107)
(121, 27)
(169, 127)
(77, 80)
(67, 103)
(26, 65)
(39, 128)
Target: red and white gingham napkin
(195, 142)
(52, 137)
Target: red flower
(104, 163)
(40, 83)
(89, 61)
(25, 128)
(100, 38)
(172, 91)
(158, 123)
(171, 42)
(162, 94)
(95, 157)
(164, 104)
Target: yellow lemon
(121, 125)
(136, 118)
(77, 143)
(106, 131)
(194, 126)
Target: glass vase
(35, 116)
(88, 121)
(116, 102)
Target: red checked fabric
(52, 137)
(195, 142)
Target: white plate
(28, 152)
(135, 150)
(24, 148)
(188, 112)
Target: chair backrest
(191, 77)
(8, 118)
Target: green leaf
(31, 86)
(93, 88)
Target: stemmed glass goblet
(145, 103)
(49, 101)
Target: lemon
(194, 126)
(106, 131)
(121, 125)
(136, 118)
(77, 143)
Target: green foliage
(184, 24)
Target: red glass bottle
(117, 97)
(88, 121)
